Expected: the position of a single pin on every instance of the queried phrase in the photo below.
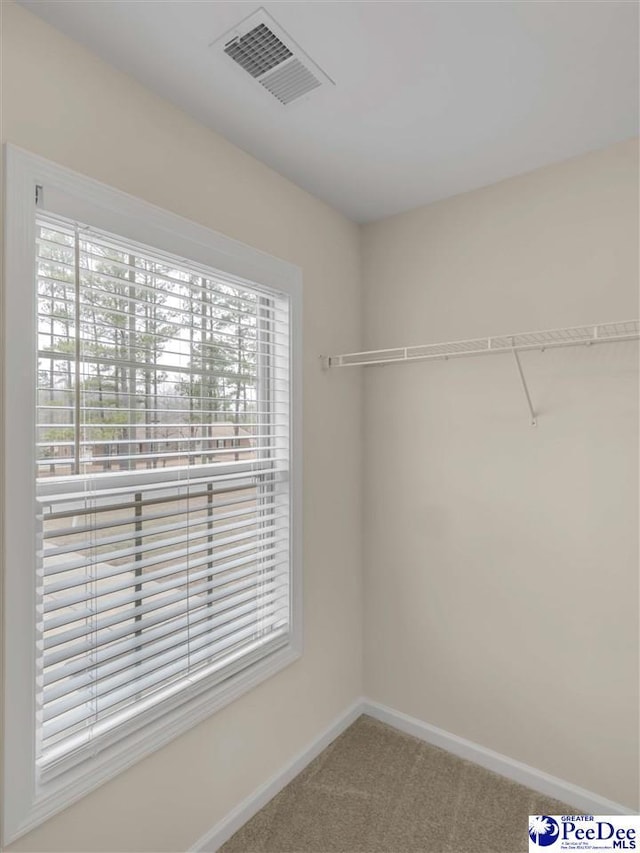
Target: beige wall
(63, 103)
(501, 561)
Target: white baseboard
(579, 798)
(222, 831)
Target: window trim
(26, 804)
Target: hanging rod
(600, 333)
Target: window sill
(75, 783)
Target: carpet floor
(376, 790)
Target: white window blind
(163, 456)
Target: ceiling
(430, 99)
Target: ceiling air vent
(263, 49)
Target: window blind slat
(189, 538)
(177, 482)
(124, 648)
(272, 606)
(219, 288)
(210, 522)
(216, 595)
(101, 626)
(150, 516)
(84, 579)
(92, 641)
(76, 596)
(243, 625)
(155, 595)
(154, 516)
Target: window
(161, 562)
(161, 407)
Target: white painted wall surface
(501, 561)
(61, 102)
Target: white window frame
(27, 801)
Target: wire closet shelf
(600, 333)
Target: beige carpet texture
(376, 790)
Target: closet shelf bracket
(525, 388)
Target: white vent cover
(265, 51)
